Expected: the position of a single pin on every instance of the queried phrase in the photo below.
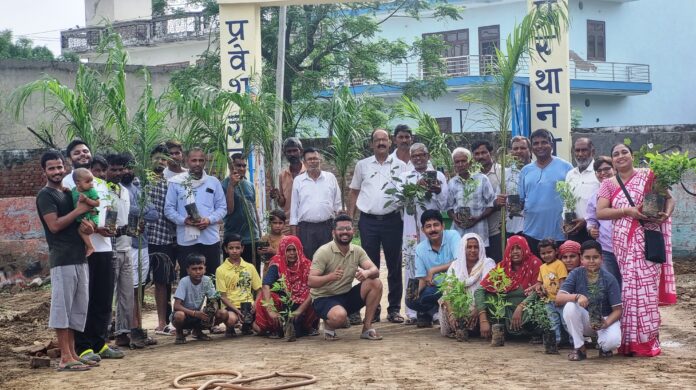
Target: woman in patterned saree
(645, 284)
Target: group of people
(311, 268)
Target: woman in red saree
(645, 284)
(290, 263)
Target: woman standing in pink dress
(645, 284)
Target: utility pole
(280, 83)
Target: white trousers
(577, 320)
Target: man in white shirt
(90, 343)
(584, 182)
(380, 226)
(403, 137)
(315, 201)
(436, 199)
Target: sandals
(410, 321)
(577, 355)
(330, 335)
(370, 334)
(166, 331)
(180, 340)
(605, 354)
(87, 362)
(395, 318)
(74, 366)
(200, 336)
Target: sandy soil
(408, 357)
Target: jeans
(555, 314)
(426, 302)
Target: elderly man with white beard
(584, 182)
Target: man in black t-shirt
(66, 252)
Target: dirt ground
(407, 358)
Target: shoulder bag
(654, 240)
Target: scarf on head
(569, 246)
(190, 232)
(458, 267)
(528, 272)
(297, 274)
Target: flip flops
(577, 355)
(73, 366)
(167, 331)
(330, 335)
(370, 334)
(88, 362)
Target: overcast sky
(41, 20)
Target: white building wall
(642, 32)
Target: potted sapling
(514, 203)
(498, 304)
(430, 178)
(110, 220)
(459, 302)
(595, 305)
(540, 317)
(190, 197)
(570, 200)
(263, 241)
(286, 313)
(463, 212)
(211, 304)
(668, 170)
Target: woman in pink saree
(645, 284)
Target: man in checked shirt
(162, 244)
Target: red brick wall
(21, 173)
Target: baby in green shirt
(84, 187)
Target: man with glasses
(242, 217)
(543, 208)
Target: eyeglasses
(604, 170)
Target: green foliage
(429, 131)
(454, 291)
(470, 184)
(350, 125)
(22, 48)
(494, 95)
(639, 159)
(498, 303)
(669, 168)
(410, 195)
(538, 314)
(280, 287)
(575, 118)
(565, 191)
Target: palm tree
(77, 111)
(349, 127)
(494, 94)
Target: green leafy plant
(669, 168)
(455, 293)
(410, 195)
(565, 191)
(538, 314)
(470, 184)
(349, 127)
(280, 287)
(498, 303)
(595, 305)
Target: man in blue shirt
(543, 209)
(433, 257)
(196, 235)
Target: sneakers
(111, 353)
(90, 355)
(138, 339)
(122, 340)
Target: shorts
(190, 322)
(69, 297)
(351, 301)
(162, 263)
(144, 266)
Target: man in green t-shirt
(334, 267)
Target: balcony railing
(168, 28)
(480, 65)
